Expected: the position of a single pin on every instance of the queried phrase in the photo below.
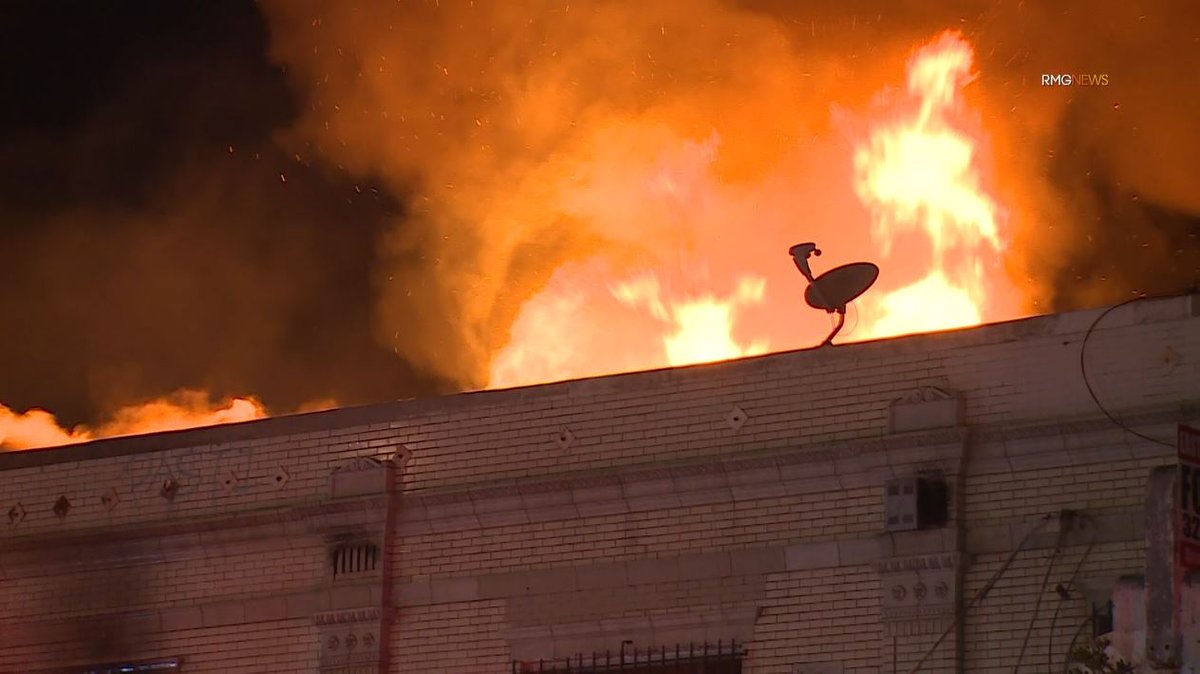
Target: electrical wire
(854, 306)
(1078, 630)
(987, 587)
(1083, 368)
(1037, 605)
(1068, 585)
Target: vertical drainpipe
(387, 608)
(960, 545)
(1163, 579)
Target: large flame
(182, 409)
(919, 171)
(701, 328)
(641, 325)
(674, 237)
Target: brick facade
(740, 500)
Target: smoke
(354, 201)
(532, 138)
(1102, 176)
(157, 239)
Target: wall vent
(912, 503)
(351, 559)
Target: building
(819, 511)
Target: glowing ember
(919, 172)
(183, 409)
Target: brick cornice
(148, 543)
(357, 615)
(883, 552)
(896, 450)
(1171, 414)
(934, 445)
(313, 606)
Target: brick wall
(739, 500)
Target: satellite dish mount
(836, 288)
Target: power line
(1083, 368)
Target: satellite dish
(836, 288)
(839, 286)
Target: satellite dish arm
(800, 253)
(841, 312)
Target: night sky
(149, 241)
(162, 225)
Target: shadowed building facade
(956, 500)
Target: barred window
(355, 558)
(718, 658)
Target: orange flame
(581, 327)
(35, 428)
(635, 306)
(920, 172)
(182, 409)
(703, 326)
(686, 261)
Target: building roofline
(383, 413)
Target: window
(719, 658)
(163, 665)
(351, 559)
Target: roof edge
(387, 412)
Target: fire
(703, 326)
(635, 323)
(666, 222)
(635, 305)
(920, 172)
(182, 409)
(35, 428)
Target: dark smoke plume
(155, 237)
(486, 111)
(353, 200)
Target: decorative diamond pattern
(110, 499)
(736, 418)
(564, 438)
(61, 507)
(280, 477)
(229, 481)
(168, 489)
(16, 514)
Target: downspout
(960, 547)
(395, 467)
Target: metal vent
(900, 506)
(914, 503)
(355, 558)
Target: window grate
(355, 558)
(719, 658)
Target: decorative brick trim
(357, 615)
(115, 543)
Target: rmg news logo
(1074, 80)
